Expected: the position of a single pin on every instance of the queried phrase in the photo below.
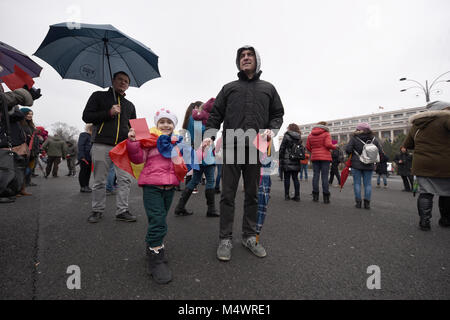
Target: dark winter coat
(72, 151)
(84, 146)
(335, 157)
(55, 147)
(31, 133)
(429, 137)
(108, 129)
(403, 168)
(246, 104)
(381, 167)
(12, 99)
(290, 138)
(355, 145)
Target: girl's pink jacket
(158, 171)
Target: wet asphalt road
(315, 251)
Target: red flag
(141, 128)
(17, 79)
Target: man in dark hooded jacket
(247, 104)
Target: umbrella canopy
(93, 53)
(345, 171)
(10, 56)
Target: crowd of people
(111, 149)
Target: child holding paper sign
(158, 179)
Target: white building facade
(385, 125)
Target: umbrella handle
(105, 41)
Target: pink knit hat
(363, 126)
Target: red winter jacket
(319, 143)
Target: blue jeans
(197, 177)
(303, 167)
(321, 169)
(384, 179)
(219, 175)
(366, 176)
(111, 177)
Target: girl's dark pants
(157, 203)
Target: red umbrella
(346, 171)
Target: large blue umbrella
(93, 53)
(10, 56)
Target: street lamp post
(426, 89)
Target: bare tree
(66, 132)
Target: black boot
(180, 209)
(210, 202)
(366, 204)
(444, 209)
(157, 265)
(287, 197)
(358, 203)
(326, 197)
(315, 196)
(425, 206)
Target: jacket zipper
(118, 122)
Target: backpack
(370, 153)
(341, 156)
(297, 152)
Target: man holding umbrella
(110, 113)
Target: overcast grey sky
(328, 59)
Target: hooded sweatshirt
(319, 143)
(246, 104)
(429, 136)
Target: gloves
(35, 93)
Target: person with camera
(13, 138)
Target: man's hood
(423, 119)
(258, 59)
(319, 129)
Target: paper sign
(261, 143)
(18, 79)
(141, 128)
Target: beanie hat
(164, 113)
(25, 110)
(363, 126)
(258, 59)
